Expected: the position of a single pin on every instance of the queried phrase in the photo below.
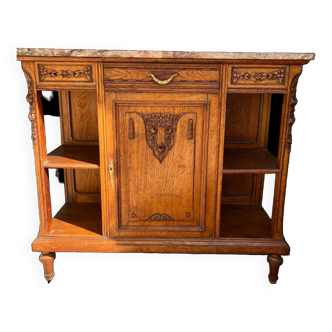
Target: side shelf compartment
(78, 159)
(251, 149)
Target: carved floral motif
(44, 72)
(159, 217)
(278, 75)
(153, 122)
(32, 111)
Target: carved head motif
(160, 129)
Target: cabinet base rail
(185, 246)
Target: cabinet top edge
(80, 53)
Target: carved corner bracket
(32, 112)
(293, 102)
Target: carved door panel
(158, 145)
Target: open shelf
(78, 219)
(249, 161)
(74, 156)
(244, 221)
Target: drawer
(67, 73)
(268, 76)
(162, 76)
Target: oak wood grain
(244, 221)
(83, 113)
(167, 245)
(242, 118)
(73, 156)
(249, 161)
(78, 220)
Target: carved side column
(275, 261)
(39, 147)
(288, 120)
(31, 99)
(47, 259)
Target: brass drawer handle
(162, 82)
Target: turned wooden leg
(275, 261)
(47, 259)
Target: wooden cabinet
(164, 152)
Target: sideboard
(163, 152)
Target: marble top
(49, 52)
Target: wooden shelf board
(244, 221)
(74, 156)
(249, 161)
(78, 220)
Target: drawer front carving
(67, 73)
(272, 76)
(162, 76)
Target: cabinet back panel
(242, 189)
(247, 125)
(87, 181)
(83, 114)
(242, 118)
(237, 184)
(79, 122)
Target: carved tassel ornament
(190, 134)
(131, 134)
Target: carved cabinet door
(161, 156)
